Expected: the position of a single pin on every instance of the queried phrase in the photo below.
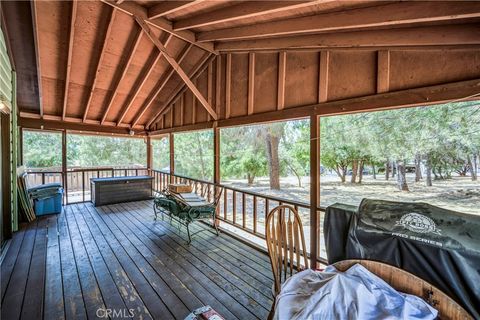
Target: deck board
(118, 257)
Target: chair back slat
(285, 243)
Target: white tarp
(354, 294)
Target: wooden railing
(77, 184)
(244, 209)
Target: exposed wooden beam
(323, 76)
(383, 71)
(282, 66)
(466, 34)
(243, 10)
(69, 57)
(160, 86)
(134, 9)
(182, 111)
(210, 87)
(251, 82)
(71, 125)
(181, 88)
(218, 83)
(142, 82)
(99, 63)
(49, 117)
(389, 15)
(122, 75)
(177, 68)
(168, 7)
(37, 55)
(384, 101)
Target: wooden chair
(406, 282)
(285, 244)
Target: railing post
(171, 143)
(314, 186)
(64, 164)
(149, 155)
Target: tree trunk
(250, 179)
(472, 164)
(200, 153)
(354, 171)
(387, 170)
(428, 174)
(475, 167)
(373, 171)
(394, 169)
(418, 169)
(273, 161)
(401, 176)
(360, 171)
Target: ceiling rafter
(239, 11)
(402, 37)
(160, 86)
(177, 67)
(397, 13)
(144, 77)
(99, 63)
(37, 55)
(134, 9)
(122, 75)
(69, 58)
(194, 74)
(167, 7)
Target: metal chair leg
(188, 233)
(155, 211)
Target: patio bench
(185, 212)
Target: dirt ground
(458, 194)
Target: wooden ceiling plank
(467, 34)
(243, 10)
(69, 57)
(122, 75)
(177, 68)
(161, 23)
(167, 7)
(378, 16)
(161, 85)
(99, 63)
(144, 77)
(181, 88)
(37, 55)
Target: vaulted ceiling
(116, 63)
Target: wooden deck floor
(71, 265)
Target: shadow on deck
(85, 261)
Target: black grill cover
(440, 246)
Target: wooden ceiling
(116, 63)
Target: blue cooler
(47, 198)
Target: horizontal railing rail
(77, 182)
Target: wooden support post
(210, 87)
(314, 187)
(149, 154)
(171, 143)
(228, 80)
(282, 65)
(216, 163)
(323, 76)
(218, 83)
(251, 82)
(383, 71)
(182, 111)
(64, 164)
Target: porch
(117, 257)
